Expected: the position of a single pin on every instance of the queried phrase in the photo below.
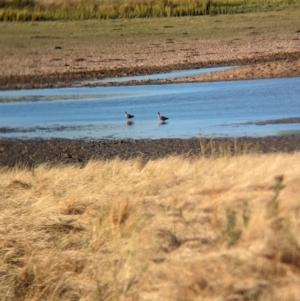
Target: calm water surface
(218, 109)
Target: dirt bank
(54, 151)
(261, 57)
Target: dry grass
(172, 229)
(42, 10)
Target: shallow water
(173, 74)
(218, 109)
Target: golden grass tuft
(169, 229)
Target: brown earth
(255, 57)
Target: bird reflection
(129, 123)
(162, 123)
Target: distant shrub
(23, 3)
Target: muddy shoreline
(65, 79)
(60, 151)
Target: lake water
(219, 109)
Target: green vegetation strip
(40, 10)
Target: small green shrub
(232, 234)
(274, 204)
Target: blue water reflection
(217, 108)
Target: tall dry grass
(35, 10)
(171, 229)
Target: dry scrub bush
(170, 229)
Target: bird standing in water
(128, 116)
(161, 118)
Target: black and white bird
(128, 116)
(161, 118)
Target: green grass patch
(22, 39)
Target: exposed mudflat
(56, 151)
(254, 57)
